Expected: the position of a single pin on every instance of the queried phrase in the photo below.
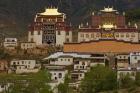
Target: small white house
(77, 75)
(4, 87)
(24, 66)
(82, 65)
(10, 43)
(123, 72)
(122, 61)
(135, 60)
(64, 59)
(27, 45)
(98, 59)
(57, 73)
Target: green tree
(28, 83)
(4, 55)
(64, 87)
(126, 81)
(138, 78)
(98, 79)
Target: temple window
(83, 63)
(38, 32)
(117, 35)
(97, 35)
(135, 58)
(122, 35)
(127, 35)
(32, 32)
(82, 35)
(32, 39)
(87, 35)
(60, 75)
(67, 33)
(133, 35)
(92, 35)
(67, 40)
(59, 33)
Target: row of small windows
(125, 35)
(49, 27)
(27, 45)
(83, 63)
(49, 37)
(54, 20)
(123, 57)
(59, 75)
(45, 31)
(98, 35)
(92, 35)
(65, 59)
(49, 32)
(80, 67)
(25, 67)
(23, 62)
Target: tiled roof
(102, 46)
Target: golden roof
(51, 11)
(108, 10)
(108, 26)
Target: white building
(10, 43)
(108, 24)
(63, 37)
(35, 34)
(91, 35)
(4, 87)
(49, 27)
(27, 45)
(57, 73)
(127, 36)
(77, 75)
(24, 66)
(122, 61)
(126, 71)
(88, 36)
(82, 64)
(65, 59)
(98, 59)
(135, 60)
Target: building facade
(122, 61)
(135, 60)
(27, 45)
(24, 66)
(49, 27)
(108, 24)
(64, 59)
(10, 43)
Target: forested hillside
(15, 15)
